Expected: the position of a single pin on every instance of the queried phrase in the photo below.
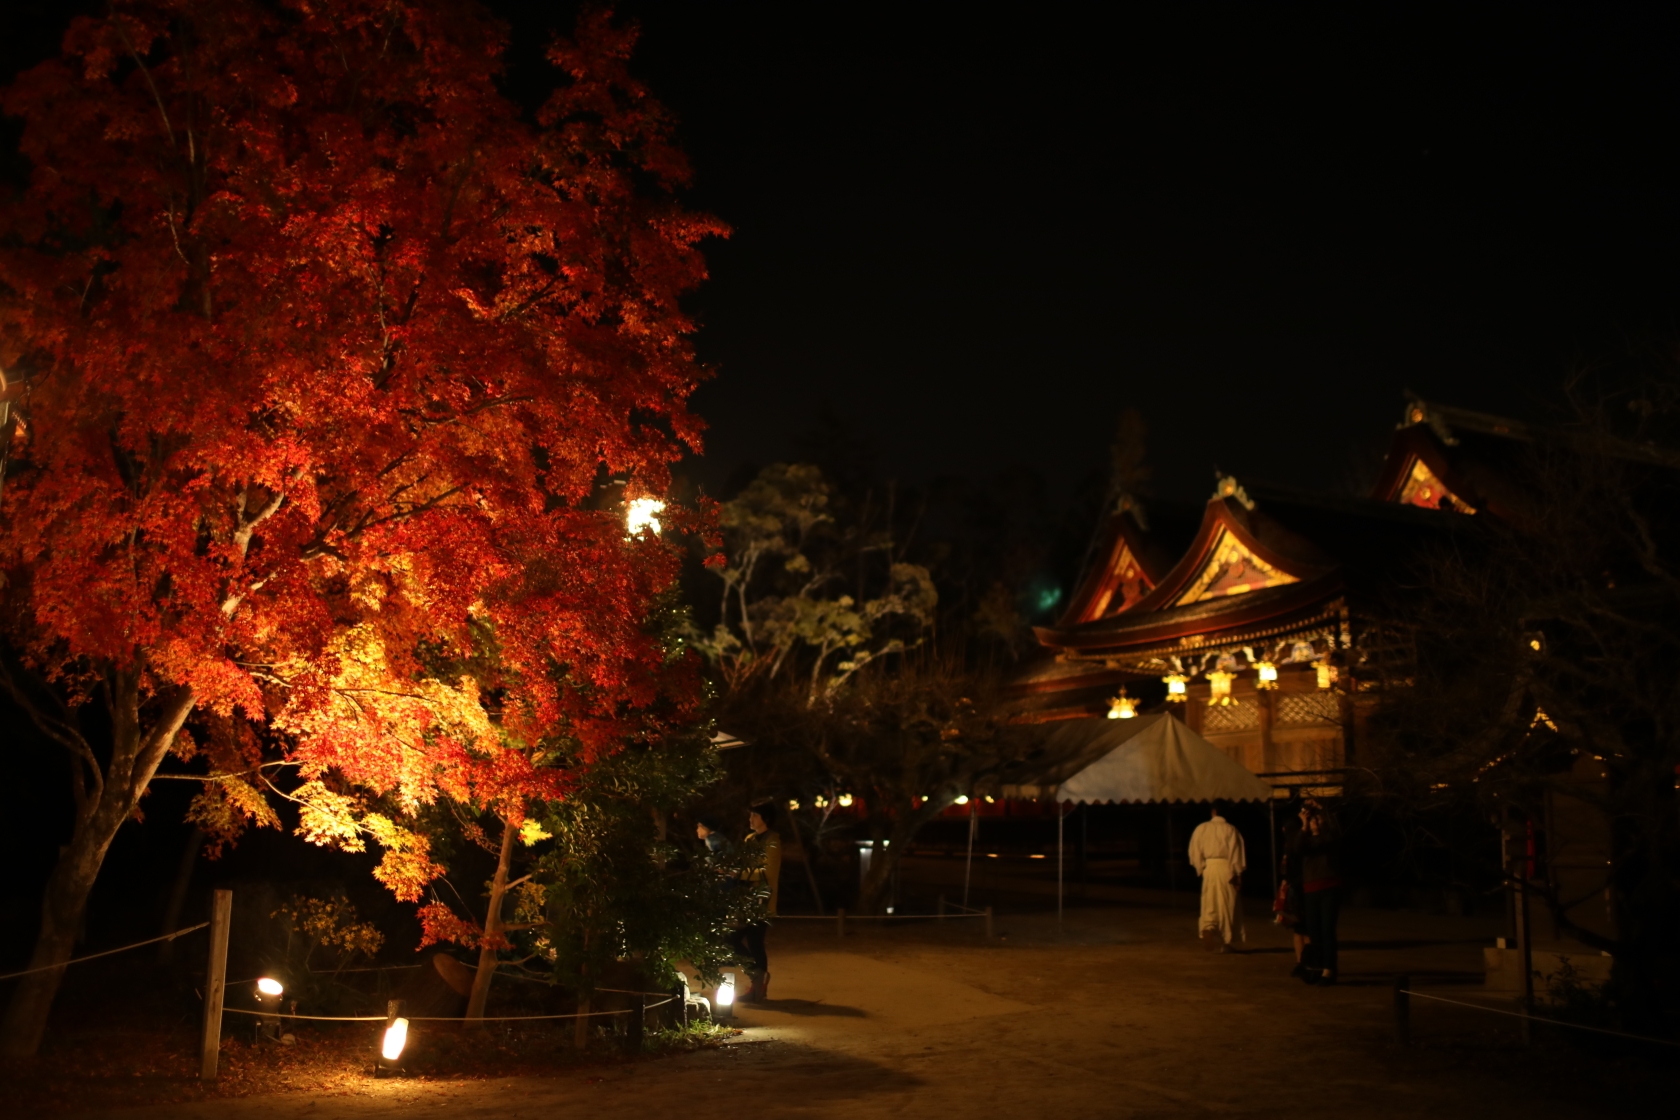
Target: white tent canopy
(1160, 760)
(1151, 758)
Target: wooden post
(1403, 1010)
(942, 908)
(215, 984)
(638, 1025)
(988, 923)
(840, 923)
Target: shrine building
(1258, 617)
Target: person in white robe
(1218, 855)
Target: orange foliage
(327, 349)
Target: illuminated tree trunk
(105, 799)
(488, 951)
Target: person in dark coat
(764, 844)
(1321, 886)
(1289, 906)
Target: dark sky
(977, 234)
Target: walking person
(765, 844)
(1219, 857)
(1321, 886)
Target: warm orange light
(1326, 673)
(1122, 706)
(396, 1037)
(1175, 687)
(1266, 675)
(1219, 687)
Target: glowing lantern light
(269, 991)
(396, 1037)
(1219, 687)
(1175, 687)
(724, 998)
(962, 799)
(1122, 706)
(1266, 673)
(793, 804)
(845, 801)
(643, 513)
(1326, 673)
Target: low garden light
(1265, 675)
(1175, 687)
(269, 991)
(723, 1000)
(394, 1038)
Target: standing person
(706, 828)
(1219, 857)
(1321, 884)
(1289, 908)
(766, 843)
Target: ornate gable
(1127, 583)
(1231, 568)
(1423, 488)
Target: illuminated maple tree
(324, 350)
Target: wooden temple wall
(1294, 727)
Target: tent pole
(1060, 817)
(968, 868)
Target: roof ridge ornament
(1419, 412)
(1229, 487)
(1128, 503)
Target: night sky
(975, 235)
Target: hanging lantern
(1219, 688)
(1175, 687)
(1326, 673)
(1265, 675)
(1122, 706)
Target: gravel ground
(1117, 1012)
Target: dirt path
(1118, 1015)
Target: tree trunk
(100, 812)
(491, 948)
(804, 854)
(872, 895)
(178, 893)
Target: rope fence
(840, 917)
(454, 1018)
(1403, 992)
(106, 953)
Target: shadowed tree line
(1536, 663)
